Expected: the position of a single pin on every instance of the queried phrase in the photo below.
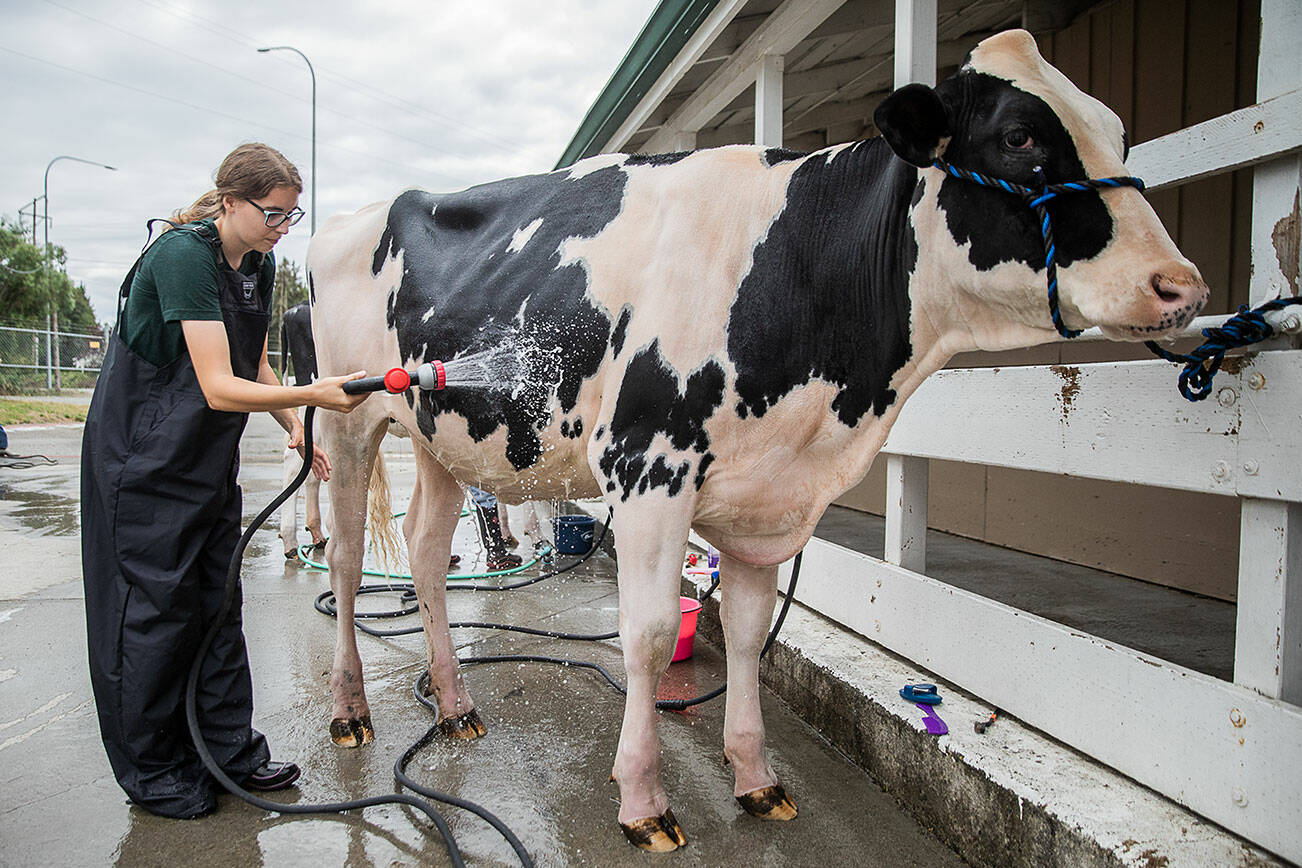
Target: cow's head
(1004, 114)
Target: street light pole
(52, 310)
(312, 72)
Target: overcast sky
(410, 93)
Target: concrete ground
(542, 769)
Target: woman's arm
(289, 420)
(210, 352)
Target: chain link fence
(36, 359)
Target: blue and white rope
(1038, 199)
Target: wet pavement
(542, 768)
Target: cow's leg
(352, 442)
(430, 523)
(291, 464)
(749, 594)
(312, 499)
(649, 542)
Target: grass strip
(18, 411)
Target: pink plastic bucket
(687, 629)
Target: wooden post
(768, 101)
(1268, 623)
(915, 42)
(906, 511)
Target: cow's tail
(284, 349)
(379, 519)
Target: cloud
(440, 96)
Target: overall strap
(125, 289)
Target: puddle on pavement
(47, 514)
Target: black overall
(160, 520)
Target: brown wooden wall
(1161, 65)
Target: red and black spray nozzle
(430, 377)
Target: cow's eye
(1018, 140)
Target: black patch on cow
(621, 328)
(296, 344)
(656, 159)
(463, 292)
(599, 433)
(574, 431)
(311, 290)
(1000, 226)
(706, 460)
(827, 294)
(650, 402)
(773, 156)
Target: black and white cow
(726, 338)
(297, 347)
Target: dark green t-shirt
(180, 279)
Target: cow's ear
(914, 122)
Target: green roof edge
(668, 29)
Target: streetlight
(51, 309)
(313, 74)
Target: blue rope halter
(1038, 201)
(1244, 328)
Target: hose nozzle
(429, 377)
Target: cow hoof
(464, 728)
(352, 733)
(657, 834)
(768, 803)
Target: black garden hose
(324, 604)
(397, 798)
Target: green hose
(488, 575)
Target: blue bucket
(574, 533)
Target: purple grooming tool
(931, 720)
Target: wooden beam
(1118, 421)
(785, 27)
(1247, 137)
(768, 101)
(710, 29)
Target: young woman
(160, 505)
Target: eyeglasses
(278, 218)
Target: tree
(27, 287)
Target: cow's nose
(1180, 289)
(1178, 294)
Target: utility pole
(52, 309)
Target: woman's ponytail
(209, 205)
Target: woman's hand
(320, 460)
(328, 393)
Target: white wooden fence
(1230, 751)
